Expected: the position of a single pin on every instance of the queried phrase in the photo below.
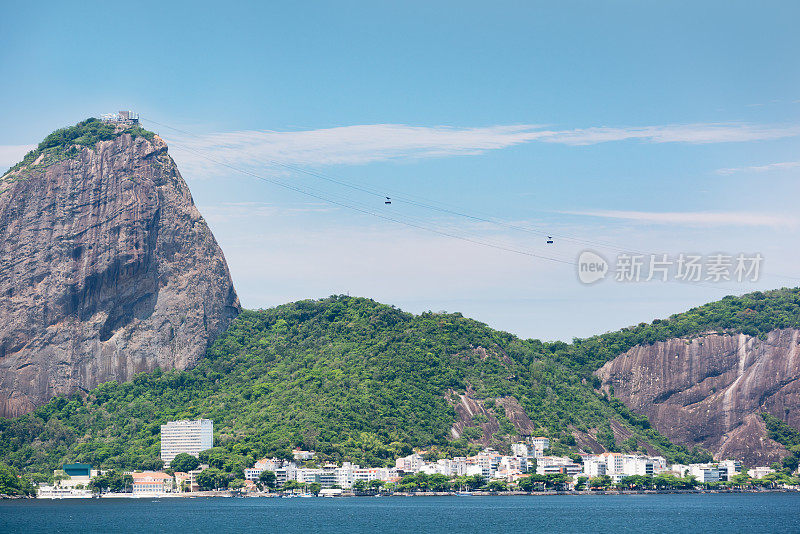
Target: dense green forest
(13, 484)
(62, 144)
(361, 381)
(786, 436)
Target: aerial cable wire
(407, 198)
(404, 197)
(367, 212)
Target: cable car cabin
(549, 240)
(387, 201)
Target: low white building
(593, 467)
(59, 492)
(308, 475)
(265, 464)
(553, 465)
(637, 465)
(76, 475)
(368, 474)
(704, 473)
(410, 464)
(679, 470)
(455, 468)
(302, 456)
(759, 472)
(329, 476)
(619, 466)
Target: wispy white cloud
(698, 218)
(360, 144)
(699, 133)
(760, 168)
(11, 154)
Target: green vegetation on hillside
(62, 144)
(13, 484)
(786, 436)
(754, 314)
(347, 377)
(357, 380)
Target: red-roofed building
(151, 483)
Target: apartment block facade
(187, 436)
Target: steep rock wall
(710, 390)
(106, 269)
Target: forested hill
(754, 314)
(361, 381)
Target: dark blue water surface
(776, 512)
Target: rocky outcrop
(106, 269)
(710, 390)
(471, 412)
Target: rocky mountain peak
(107, 267)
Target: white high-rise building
(539, 446)
(186, 436)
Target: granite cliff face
(709, 390)
(106, 269)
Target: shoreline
(229, 494)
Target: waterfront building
(287, 469)
(659, 463)
(619, 466)
(374, 473)
(72, 483)
(510, 466)
(489, 461)
(615, 464)
(637, 465)
(759, 472)
(679, 470)
(150, 483)
(410, 464)
(593, 467)
(704, 473)
(74, 475)
(285, 473)
(328, 477)
(553, 465)
(728, 469)
(187, 436)
(308, 475)
(185, 481)
(62, 492)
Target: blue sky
(661, 127)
